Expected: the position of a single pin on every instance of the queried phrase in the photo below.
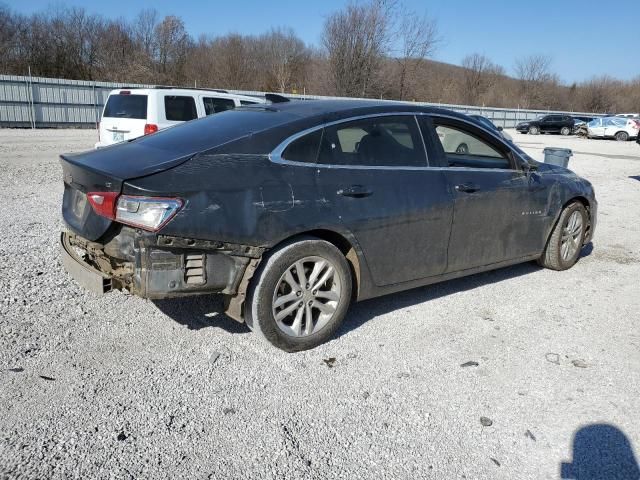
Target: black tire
(533, 130)
(258, 307)
(622, 136)
(552, 256)
(565, 131)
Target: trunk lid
(106, 170)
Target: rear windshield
(126, 106)
(215, 130)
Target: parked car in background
(293, 210)
(562, 124)
(132, 113)
(489, 124)
(580, 121)
(620, 128)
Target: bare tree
(598, 94)
(418, 37)
(233, 60)
(144, 28)
(533, 71)
(356, 40)
(172, 43)
(478, 77)
(284, 57)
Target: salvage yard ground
(508, 374)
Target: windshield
(126, 106)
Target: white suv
(131, 113)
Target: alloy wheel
(306, 296)
(571, 236)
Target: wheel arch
(615, 135)
(348, 247)
(572, 198)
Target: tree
(533, 71)
(284, 57)
(171, 45)
(356, 40)
(478, 77)
(418, 39)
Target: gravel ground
(116, 386)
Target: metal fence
(38, 102)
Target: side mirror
(529, 167)
(500, 129)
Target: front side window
(216, 105)
(385, 141)
(463, 148)
(180, 109)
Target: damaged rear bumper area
(158, 266)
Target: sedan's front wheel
(566, 239)
(300, 294)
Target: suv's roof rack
(168, 87)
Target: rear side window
(180, 109)
(216, 105)
(304, 149)
(126, 106)
(392, 141)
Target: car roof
(351, 108)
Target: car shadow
(206, 311)
(200, 312)
(362, 312)
(601, 451)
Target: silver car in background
(620, 128)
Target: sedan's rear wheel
(565, 131)
(300, 295)
(533, 130)
(622, 136)
(566, 239)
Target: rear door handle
(355, 191)
(467, 187)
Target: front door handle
(355, 191)
(467, 188)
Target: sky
(584, 38)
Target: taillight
(148, 213)
(150, 128)
(103, 203)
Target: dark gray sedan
(293, 210)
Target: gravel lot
(116, 386)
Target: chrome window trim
(276, 155)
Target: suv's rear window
(126, 106)
(180, 109)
